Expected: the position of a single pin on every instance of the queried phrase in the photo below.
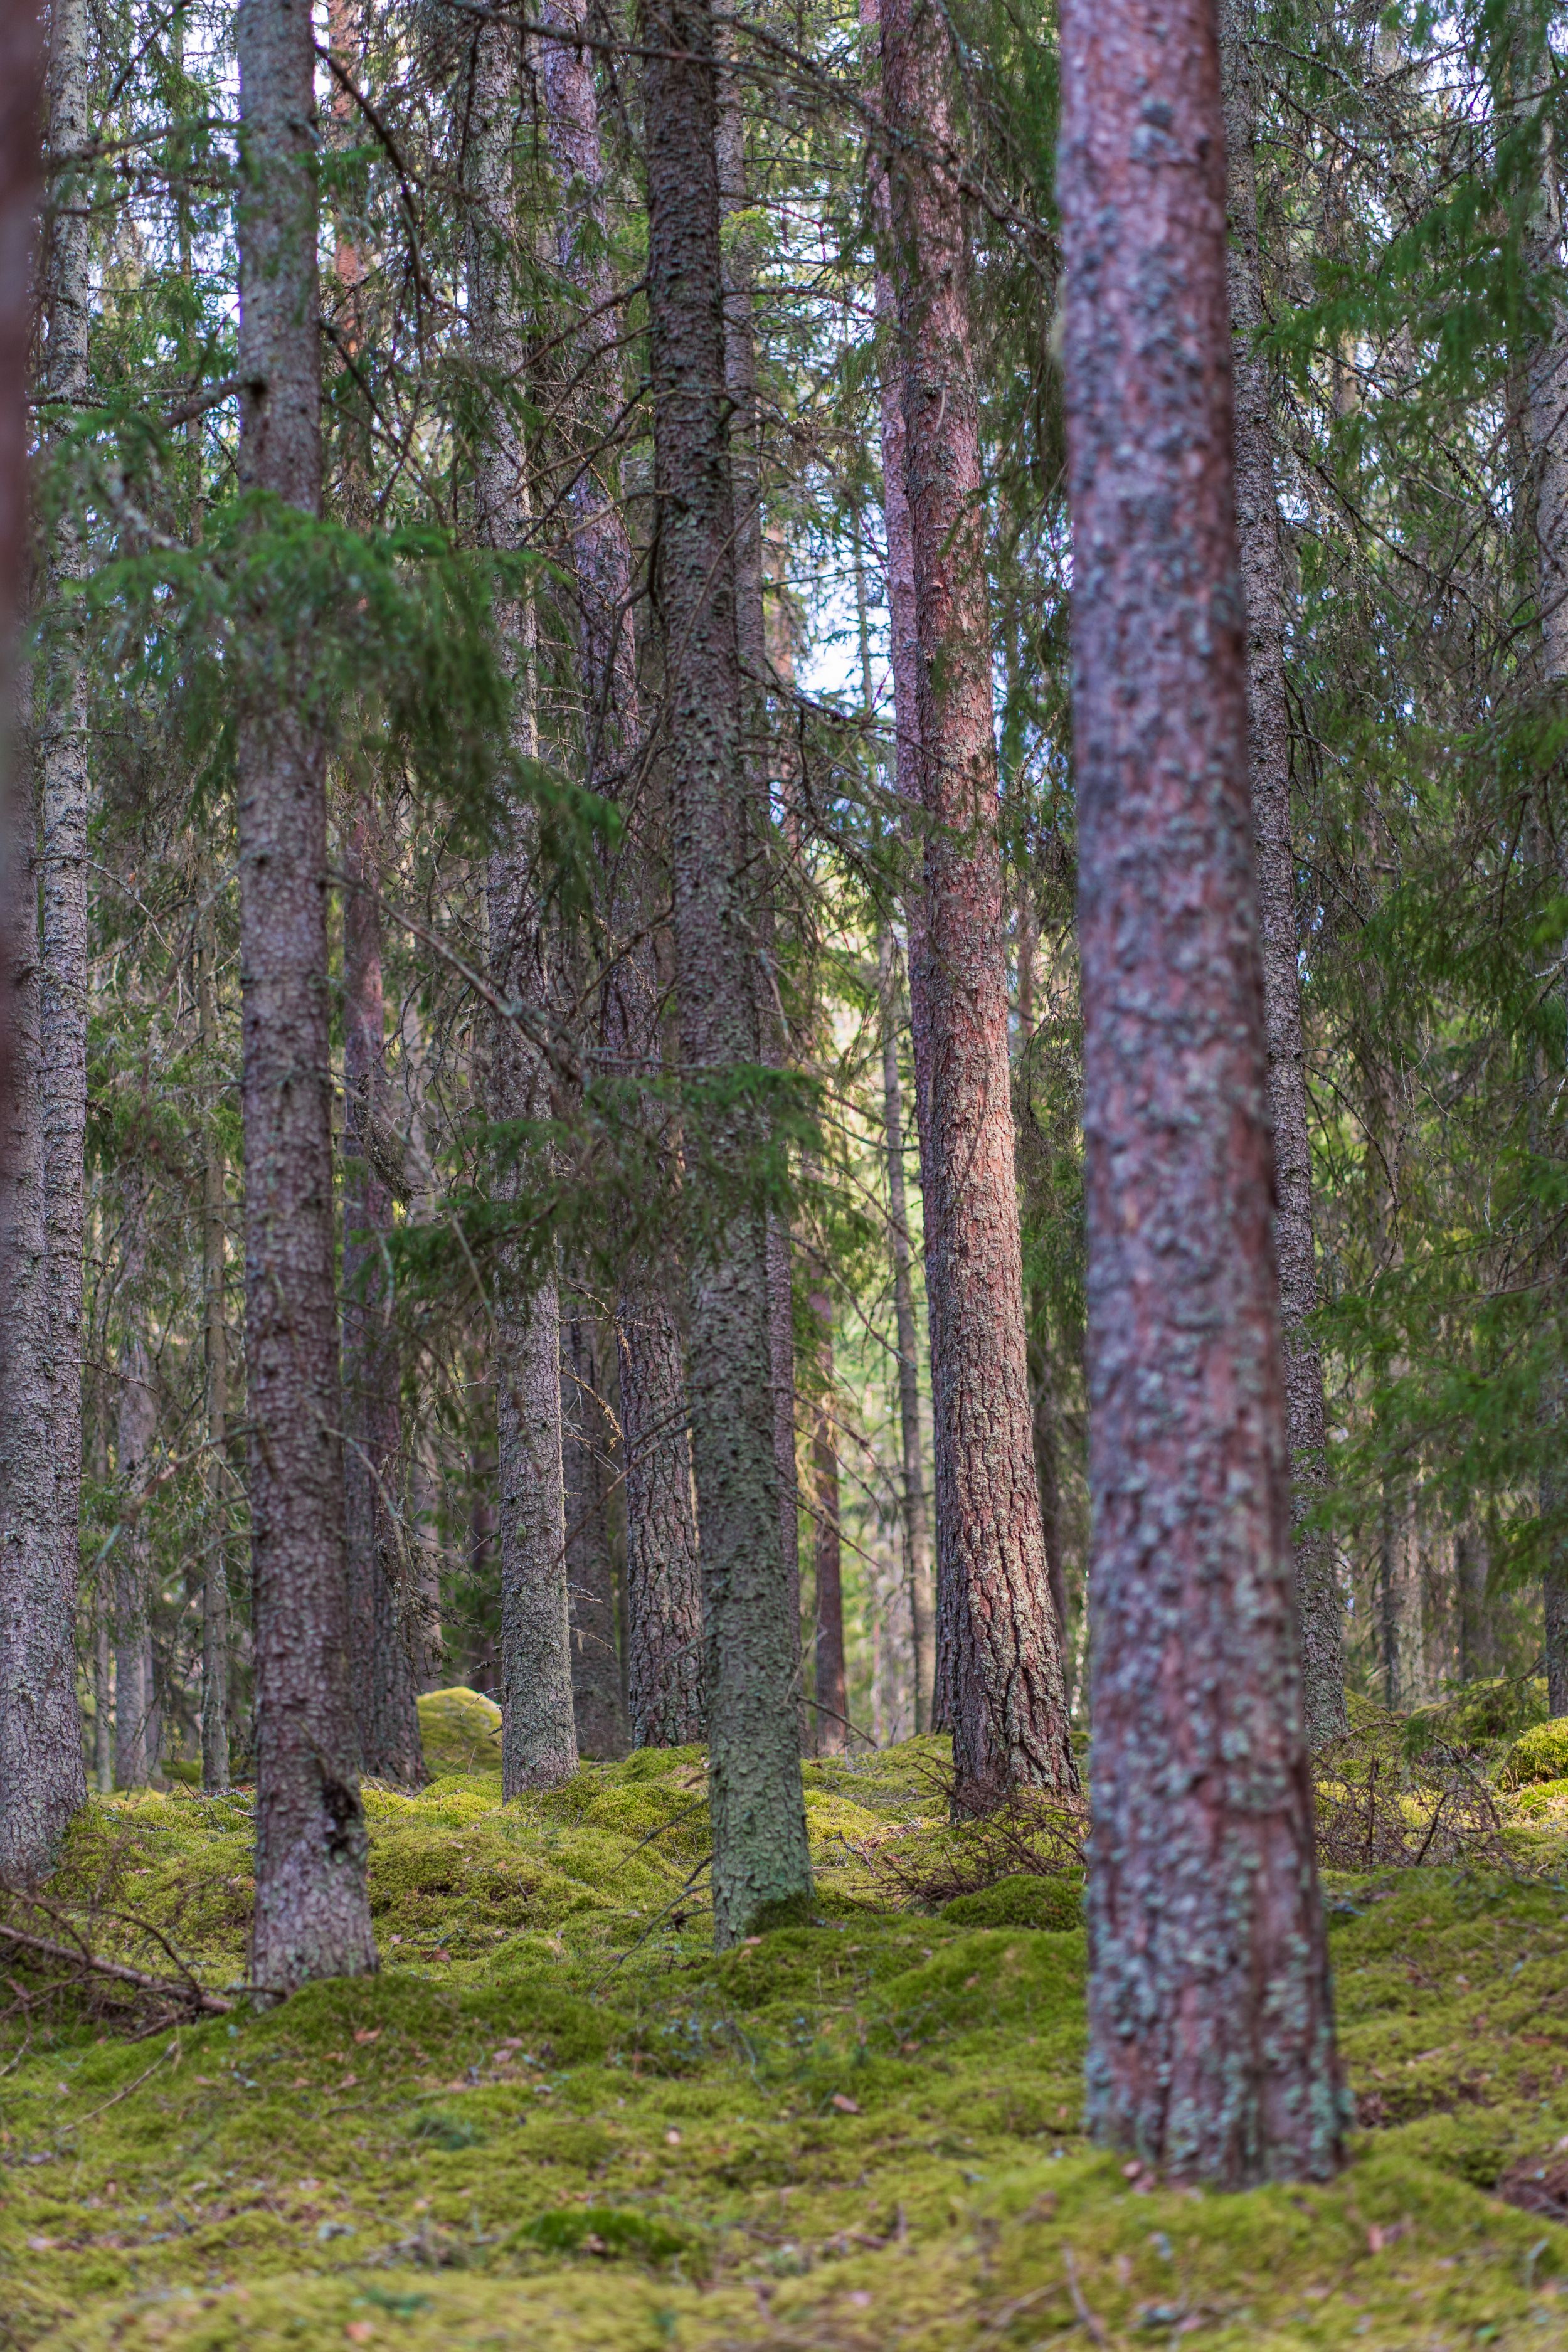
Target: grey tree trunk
(1211, 2020)
(539, 1743)
(761, 1861)
(998, 1667)
(136, 1431)
(66, 779)
(380, 1601)
(917, 1552)
(751, 635)
(42, 1778)
(590, 1561)
(663, 1589)
(312, 1915)
(827, 1550)
(215, 1239)
(1269, 720)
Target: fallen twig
(1086, 2318)
(210, 2004)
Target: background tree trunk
(828, 1577)
(215, 1570)
(917, 1555)
(761, 1861)
(663, 1585)
(590, 1563)
(1268, 717)
(998, 1668)
(136, 1431)
(379, 1580)
(539, 1741)
(312, 1917)
(1211, 2025)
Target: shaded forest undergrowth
(556, 2120)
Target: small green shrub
(1541, 1754)
(1019, 1902)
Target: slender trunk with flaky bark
(379, 1595)
(539, 1742)
(214, 1237)
(761, 1860)
(312, 1917)
(832, 1694)
(136, 1429)
(1211, 2023)
(750, 635)
(1263, 583)
(998, 1667)
(917, 1557)
(664, 1591)
(589, 1565)
(42, 1781)
(65, 782)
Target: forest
(784, 1175)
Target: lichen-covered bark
(1262, 575)
(312, 1917)
(380, 1599)
(539, 1743)
(760, 1855)
(998, 1670)
(1211, 2027)
(663, 1590)
(750, 637)
(66, 779)
(42, 1780)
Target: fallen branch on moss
(190, 1994)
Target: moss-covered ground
(556, 2120)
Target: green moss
(1539, 1753)
(1019, 1902)
(554, 2110)
(460, 1730)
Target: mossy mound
(557, 2121)
(460, 1730)
(1539, 1753)
(1019, 1902)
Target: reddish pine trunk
(1212, 2046)
(999, 1670)
(312, 1918)
(761, 1862)
(1257, 522)
(380, 1597)
(664, 1593)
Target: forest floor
(556, 2120)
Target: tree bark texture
(42, 1779)
(1268, 718)
(1211, 2029)
(997, 1661)
(312, 1917)
(379, 1595)
(66, 779)
(136, 1432)
(663, 1577)
(590, 1563)
(761, 1859)
(917, 1555)
(827, 1555)
(214, 1240)
(539, 1742)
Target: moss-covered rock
(1020, 1901)
(1540, 1754)
(460, 1730)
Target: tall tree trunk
(1263, 583)
(539, 1743)
(917, 1555)
(380, 1598)
(750, 637)
(313, 1915)
(136, 1431)
(66, 779)
(664, 1586)
(590, 1564)
(997, 1662)
(1210, 2024)
(832, 1693)
(214, 1572)
(761, 1861)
